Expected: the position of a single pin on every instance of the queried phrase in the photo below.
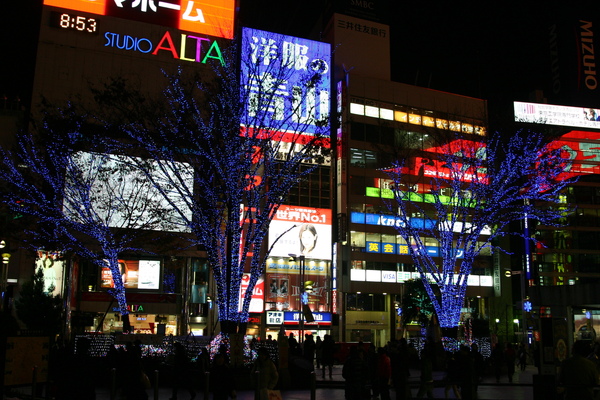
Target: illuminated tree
(92, 203)
(247, 131)
(464, 194)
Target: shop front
(152, 314)
(368, 326)
(296, 323)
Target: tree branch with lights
(84, 197)
(463, 194)
(230, 144)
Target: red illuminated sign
(439, 168)
(582, 149)
(214, 18)
(258, 294)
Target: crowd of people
(369, 372)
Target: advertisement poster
(257, 304)
(136, 274)
(52, 267)
(301, 231)
(284, 289)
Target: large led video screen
(303, 231)
(120, 195)
(214, 18)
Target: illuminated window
(479, 130)
(357, 109)
(400, 116)
(467, 128)
(386, 113)
(441, 123)
(371, 111)
(414, 119)
(428, 241)
(428, 121)
(455, 126)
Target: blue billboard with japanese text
(285, 84)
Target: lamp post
(524, 298)
(4, 277)
(301, 259)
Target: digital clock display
(75, 22)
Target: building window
(365, 302)
(315, 191)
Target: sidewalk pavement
(333, 389)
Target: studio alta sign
(185, 47)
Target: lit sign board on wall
(582, 150)
(275, 72)
(302, 231)
(549, 114)
(258, 294)
(52, 266)
(214, 18)
(136, 274)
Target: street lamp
(304, 311)
(4, 275)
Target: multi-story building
(373, 259)
(562, 275)
(84, 44)
(356, 273)
(375, 115)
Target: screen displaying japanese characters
(257, 303)
(214, 18)
(549, 114)
(302, 231)
(287, 82)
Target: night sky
(494, 52)
(461, 47)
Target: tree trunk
(233, 327)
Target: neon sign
(581, 149)
(166, 43)
(214, 18)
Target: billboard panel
(136, 274)
(548, 114)
(302, 231)
(214, 18)
(257, 302)
(52, 266)
(582, 149)
(286, 80)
